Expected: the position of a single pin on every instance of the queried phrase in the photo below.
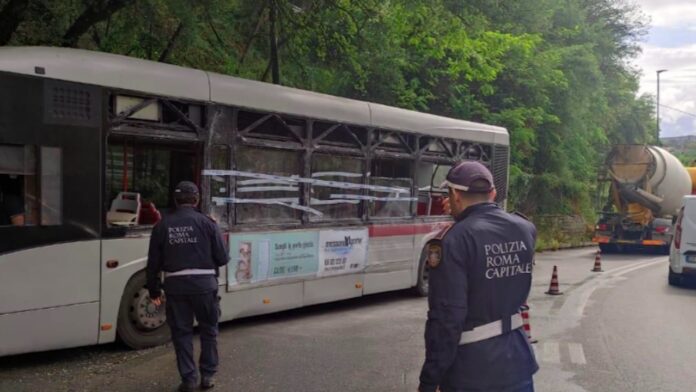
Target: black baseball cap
(470, 176)
(186, 188)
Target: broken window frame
(174, 135)
(223, 128)
(181, 126)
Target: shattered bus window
(336, 202)
(395, 174)
(262, 200)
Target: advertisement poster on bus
(255, 258)
(342, 251)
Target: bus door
(141, 173)
(49, 213)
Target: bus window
(17, 190)
(51, 186)
(267, 201)
(336, 202)
(20, 204)
(140, 179)
(13, 209)
(394, 174)
(429, 177)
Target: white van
(682, 253)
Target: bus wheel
(141, 324)
(422, 284)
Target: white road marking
(580, 303)
(577, 355)
(627, 266)
(551, 353)
(643, 265)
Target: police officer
(480, 276)
(188, 247)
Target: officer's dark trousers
(181, 310)
(527, 386)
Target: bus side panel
(378, 282)
(49, 276)
(390, 261)
(50, 299)
(261, 300)
(49, 329)
(131, 254)
(332, 289)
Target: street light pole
(657, 108)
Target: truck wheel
(607, 248)
(140, 324)
(664, 250)
(673, 278)
(421, 288)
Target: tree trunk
(11, 16)
(171, 43)
(275, 68)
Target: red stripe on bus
(405, 229)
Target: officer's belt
(190, 271)
(491, 330)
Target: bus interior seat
(125, 209)
(149, 215)
(435, 205)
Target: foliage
(554, 73)
(686, 154)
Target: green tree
(554, 73)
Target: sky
(671, 45)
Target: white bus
(320, 198)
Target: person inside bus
(11, 203)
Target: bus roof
(132, 74)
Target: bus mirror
(435, 188)
(432, 177)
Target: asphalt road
(620, 330)
(637, 332)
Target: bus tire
(140, 324)
(422, 284)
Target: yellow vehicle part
(692, 174)
(639, 214)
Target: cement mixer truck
(646, 185)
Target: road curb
(568, 246)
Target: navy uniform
(474, 338)
(188, 247)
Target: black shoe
(186, 387)
(207, 382)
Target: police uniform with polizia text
(479, 278)
(188, 247)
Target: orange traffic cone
(524, 311)
(553, 287)
(598, 262)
